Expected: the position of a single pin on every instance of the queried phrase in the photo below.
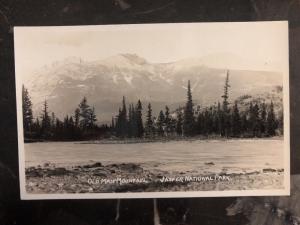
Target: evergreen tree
(244, 124)
(124, 110)
(210, 123)
(225, 96)
(72, 128)
(113, 123)
(77, 117)
(84, 113)
(199, 123)
(59, 130)
(66, 122)
(134, 123)
(139, 120)
(179, 124)
(161, 123)
(188, 118)
(263, 118)
(27, 110)
(46, 121)
(53, 120)
(149, 128)
(167, 121)
(271, 121)
(66, 128)
(71, 122)
(130, 121)
(122, 121)
(36, 128)
(37, 123)
(92, 117)
(225, 114)
(118, 124)
(280, 122)
(219, 120)
(236, 121)
(205, 124)
(254, 124)
(215, 120)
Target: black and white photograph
(153, 110)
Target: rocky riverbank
(131, 177)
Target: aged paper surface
(153, 110)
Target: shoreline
(154, 140)
(132, 177)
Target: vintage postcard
(153, 110)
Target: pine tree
(254, 120)
(263, 118)
(149, 128)
(46, 121)
(59, 129)
(84, 113)
(139, 120)
(92, 117)
(53, 120)
(206, 124)
(199, 123)
(188, 118)
(280, 122)
(36, 128)
(130, 121)
(225, 96)
(244, 124)
(66, 128)
(134, 124)
(118, 124)
(161, 123)
(219, 120)
(179, 124)
(168, 120)
(215, 120)
(77, 117)
(124, 110)
(27, 110)
(112, 123)
(271, 121)
(122, 121)
(71, 121)
(236, 121)
(37, 122)
(66, 122)
(209, 122)
(225, 114)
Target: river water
(206, 155)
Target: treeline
(79, 126)
(219, 120)
(222, 119)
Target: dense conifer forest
(223, 119)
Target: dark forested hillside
(244, 117)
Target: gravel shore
(131, 177)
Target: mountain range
(64, 83)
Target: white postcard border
(188, 194)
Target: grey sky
(261, 45)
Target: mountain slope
(104, 82)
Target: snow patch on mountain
(104, 82)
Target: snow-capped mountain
(104, 82)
